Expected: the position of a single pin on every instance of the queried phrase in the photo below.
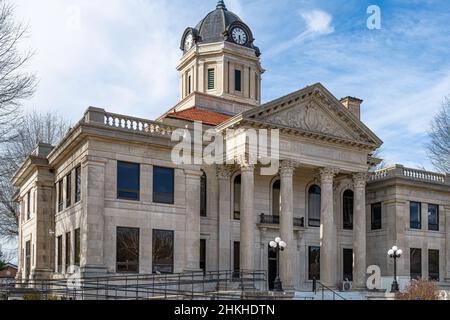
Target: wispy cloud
(317, 22)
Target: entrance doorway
(272, 267)
(348, 265)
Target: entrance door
(348, 265)
(236, 259)
(272, 267)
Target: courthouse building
(109, 199)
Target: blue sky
(121, 55)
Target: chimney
(353, 104)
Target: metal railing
(273, 219)
(188, 285)
(319, 286)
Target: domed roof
(213, 26)
(216, 27)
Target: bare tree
(15, 84)
(2, 260)
(35, 127)
(439, 145)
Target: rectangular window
(189, 85)
(348, 265)
(128, 180)
(415, 263)
(415, 214)
(68, 251)
(203, 193)
(163, 244)
(163, 185)
(127, 250)
(59, 254)
(237, 198)
(68, 190)
(376, 216)
(314, 263)
(203, 254)
(211, 79)
(60, 196)
(28, 257)
(77, 184)
(237, 80)
(28, 205)
(77, 247)
(433, 265)
(236, 259)
(433, 217)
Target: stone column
(359, 230)
(247, 217)
(192, 234)
(224, 253)
(328, 238)
(288, 257)
(93, 220)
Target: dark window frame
(203, 254)
(347, 212)
(415, 274)
(29, 205)
(204, 195)
(158, 197)
(68, 251)
(313, 221)
(237, 197)
(237, 80)
(122, 192)
(28, 257)
(276, 186)
(68, 190)
(59, 253)
(131, 266)
(77, 184)
(77, 247)
(433, 270)
(311, 273)
(415, 224)
(60, 195)
(376, 223)
(211, 78)
(157, 265)
(433, 226)
(347, 275)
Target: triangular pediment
(314, 110)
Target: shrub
(420, 290)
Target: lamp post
(395, 253)
(278, 245)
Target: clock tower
(220, 65)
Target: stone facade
(323, 143)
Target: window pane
(433, 265)
(236, 259)
(203, 254)
(68, 190)
(415, 263)
(433, 217)
(59, 255)
(163, 251)
(163, 185)
(314, 206)
(276, 198)
(314, 263)
(348, 265)
(415, 215)
(127, 255)
(28, 257)
(211, 73)
(128, 180)
(28, 205)
(376, 216)
(77, 247)
(60, 196)
(237, 80)
(203, 193)
(68, 253)
(347, 209)
(237, 197)
(77, 184)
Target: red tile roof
(196, 114)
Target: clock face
(239, 36)
(188, 42)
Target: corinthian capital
(327, 174)
(223, 171)
(244, 163)
(360, 179)
(287, 168)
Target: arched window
(314, 206)
(203, 195)
(237, 197)
(276, 198)
(347, 209)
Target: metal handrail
(323, 288)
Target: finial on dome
(221, 5)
